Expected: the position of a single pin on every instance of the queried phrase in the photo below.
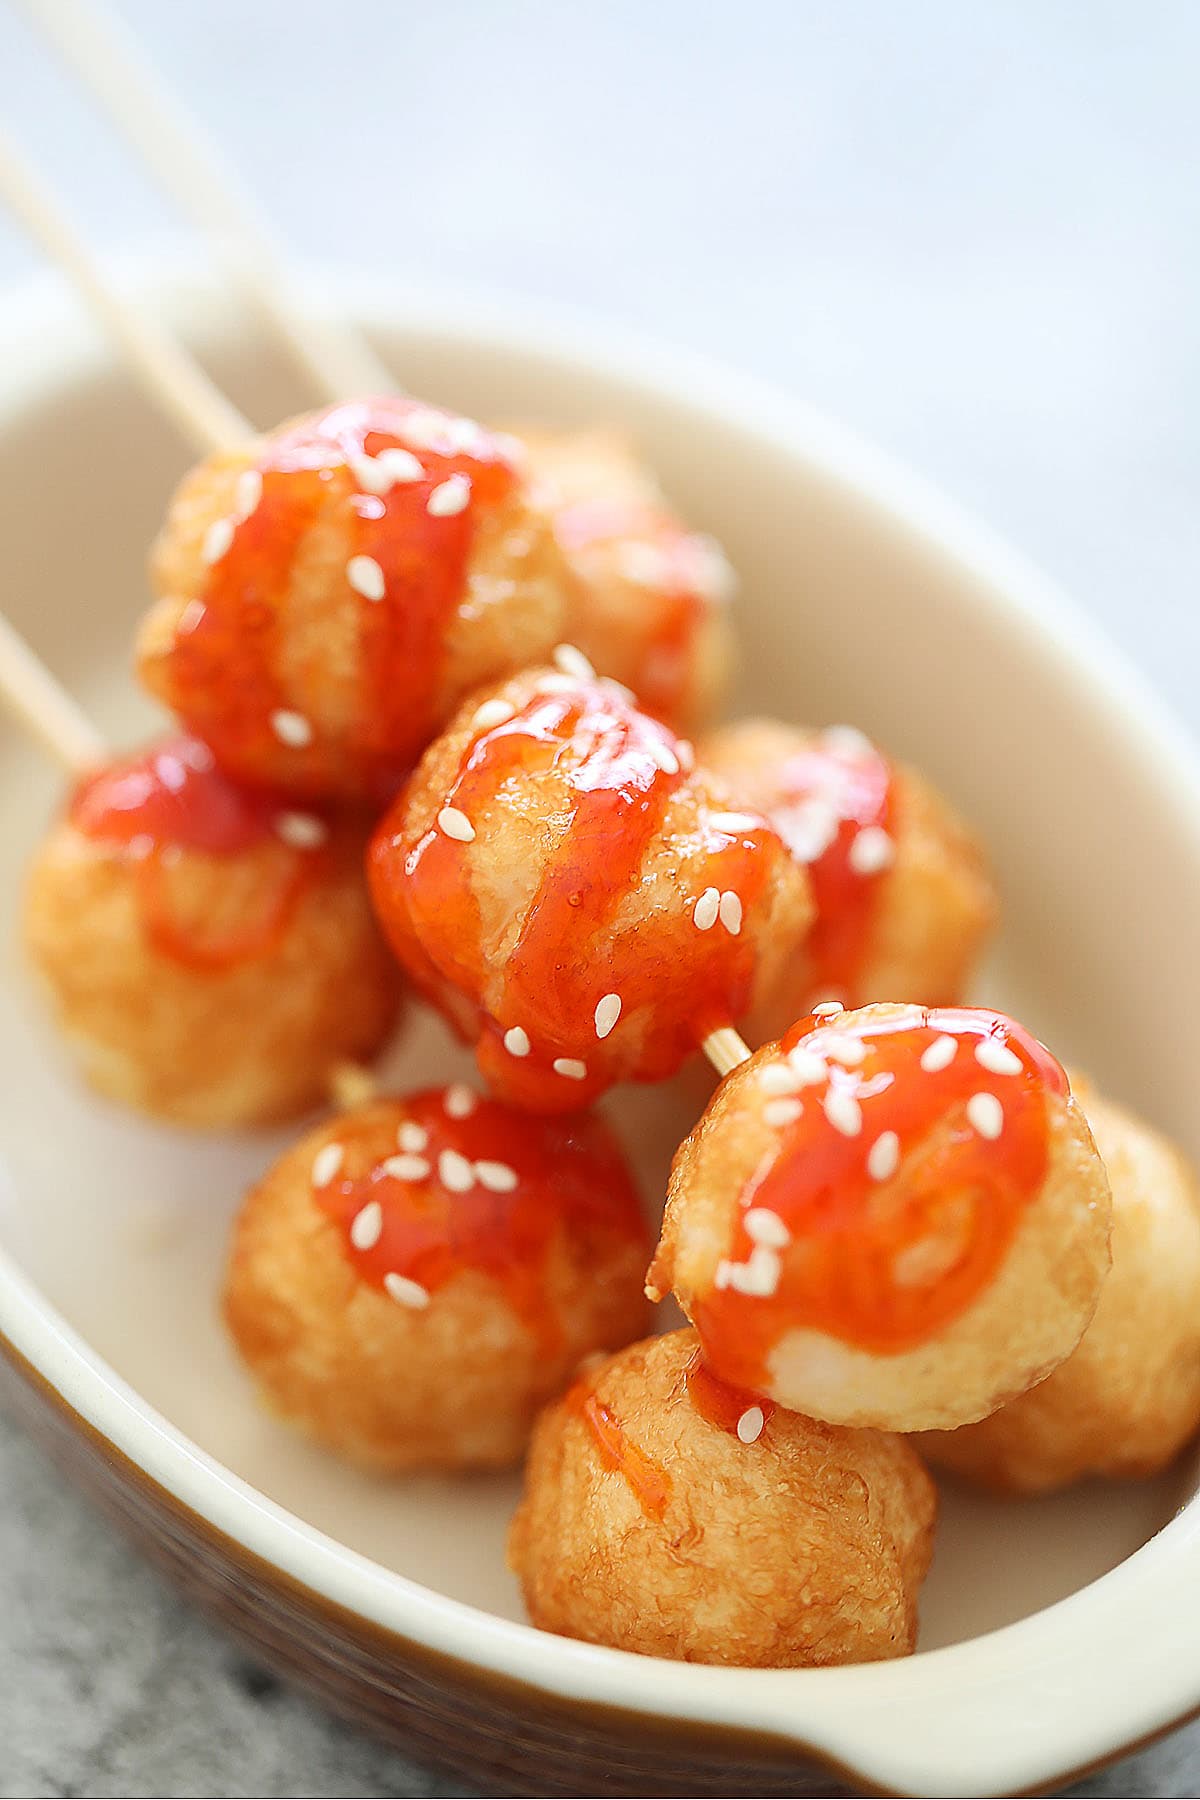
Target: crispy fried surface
(628, 571)
(503, 868)
(1024, 1323)
(455, 1385)
(934, 908)
(1127, 1400)
(211, 1046)
(805, 1548)
(511, 611)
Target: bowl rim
(1022, 1707)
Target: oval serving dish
(1056, 1633)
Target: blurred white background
(971, 230)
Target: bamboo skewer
(152, 118)
(179, 155)
(42, 706)
(176, 380)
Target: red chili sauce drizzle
(676, 599)
(715, 1400)
(885, 1263)
(228, 652)
(858, 788)
(676, 983)
(722, 1404)
(570, 1178)
(170, 798)
(649, 1481)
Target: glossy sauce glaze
(171, 798)
(647, 1478)
(736, 1411)
(895, 1192)
(672, 568)
(406, 485)
(589, 933)
(821, 800)
(465, 1184)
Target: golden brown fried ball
(893, 1217)
(904, 898)
(328, 594)
(557, 865)
(415, 1278)
(1127, 1400)
(718, 1532)
(209, 959)
(649, 599)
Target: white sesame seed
(571, 1067)
(842, 1047)
(750, 1425)
(664, 756)
(608, 1011)
(758, 1275)
(455, 1172)
(685, 750)
(809, 1068)
(326, 1164)
(847, 740)
(843, 1112)
(456, 825)
(406, 1292)
(217, 540)
(872, 851)
(492, 712)
(782, 1112)
(766, 1227)
(247, 493)
(553, 683)
(459, 1101)
(367, 1226)
(986, 1115)
(645, 564)
(939, 1055)
(827, 1008)
(303, 831)
(406, 1167)
(707, 908)
(808, 827)
(731, 912)
(883, 1158)
(516, 1041)
(996, 1057)
(734, 821)
(449, 497)
(377, 474)
(366, 577)
(570, 661)
(496, 1176)
(291, 728)
(779, 1078)
(412, 1137)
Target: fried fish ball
(893, 1217)
(667, 1513)
(1128, 1399)
(649, 599)
(903, 894)
(580, 900)
(328, 594)
(210, 953)
(414, 1279)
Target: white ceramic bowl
(1055, 1633)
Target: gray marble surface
(969, 229)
